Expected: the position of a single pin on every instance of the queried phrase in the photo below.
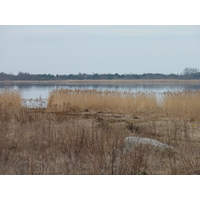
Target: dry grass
(75, 141)
(10, 98)
(120, 102)
(114, 82)
(184, 104)
(10, 103)
(38, 142)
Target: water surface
(41, 91)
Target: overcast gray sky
(99, 49)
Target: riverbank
(111, 82)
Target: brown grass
(75, 141)
(120, 102)
(39, 142)
(114, 82)
(10, 98)
(184, 104)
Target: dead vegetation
(10, 98)
(109, 101)
(83, 140)
(183, 104)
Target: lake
(41, 91)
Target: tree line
(188, 73)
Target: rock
(131, 142)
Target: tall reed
(176, 103)
(10, 98)
(182, 103)
(123, 102)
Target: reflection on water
(34, 103)
(41, 91)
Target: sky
(122, 49)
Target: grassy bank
(111, 82)
(84, 140)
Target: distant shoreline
(111, 82)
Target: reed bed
(36, 141)
(182, 103)
(10, 98)
(178, 103)
(122, 102)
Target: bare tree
(188, 71)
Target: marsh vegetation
(80, 130)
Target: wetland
(79, 130)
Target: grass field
(80, 131)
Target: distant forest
(188, 73)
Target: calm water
(36, 91)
